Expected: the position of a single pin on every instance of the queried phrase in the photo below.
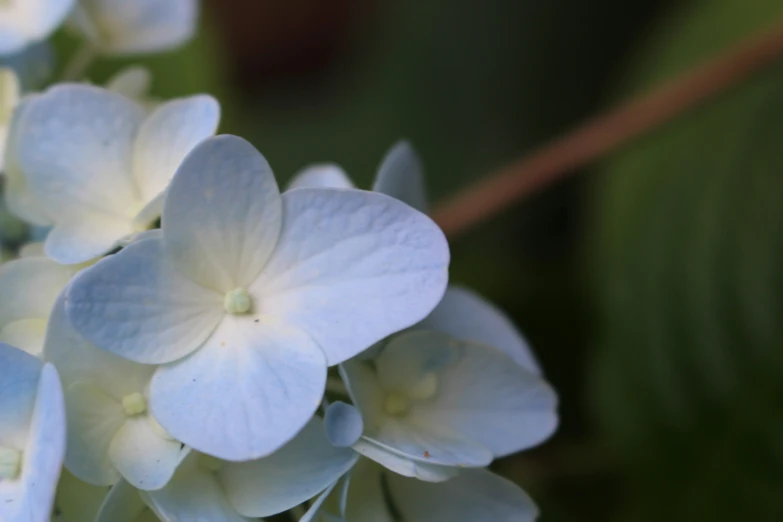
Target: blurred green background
(649, 284)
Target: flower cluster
(193, 344)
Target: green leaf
(688, 378)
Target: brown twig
(607, 132)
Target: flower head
(111, 432)
(32, 436)
(248, 296)
(121, 27)
(95, 164)
(27, 21)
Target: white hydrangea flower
(122, 27)
(436, 400)
(209, 489)
(111, 432)
(28, 21)
(248, 296)
(95, 164)
(462, 313)
(32, 436)
(28, 290)
(474, 495)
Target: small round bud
(237, 301)
(10, 463)
(134, 404)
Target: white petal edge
(476, 495)
(401, 176)
(298, 471)
(352, 267)
(325, 175)
(222, 214)
(465, 315)
(249, 390)
(136, 305)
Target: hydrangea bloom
(111, 432)
(248, 296)
(119, 27)
(27, 21)
(234, 491)
(32, 436)
(28, 290)
(474, 495)
(436, 400)
(95, 164)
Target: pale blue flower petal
(18, 198)
(132, 82)
(401, 176)
(30, 21)
(77, 150)
(143, 455)
(315, 508)
(28, 289)
(401, 464)
(18, 384)
(352, 267)
(321, 176)
(141, 26)
(84, 239)
(167, 136)
(94, 418)
(193, 495)
(465, 315)
(344, 424)
(222, 215)
(30, 497)
(409, 435)
(475, 495)
(136, 305)
(78, 360)
(481, 394)
(122, 504)
(294, 474)
(245, 393)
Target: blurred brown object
(273, 44)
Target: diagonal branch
(607, 132)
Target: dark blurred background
(649, 285)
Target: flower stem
(607, 132)
(79, 62)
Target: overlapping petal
(30, 497)
(167, 136)
(194, 495)
(475, 495)
(222, 215)
(18, 385)
(136, 305)
(401, 176)
(352, 267)
(245, 393)
(480, 393)
(321, 176)
(465, 315)
(77, 149)
(297, 472)
(121, 27)
(142, 455)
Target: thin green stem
(80, 62)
